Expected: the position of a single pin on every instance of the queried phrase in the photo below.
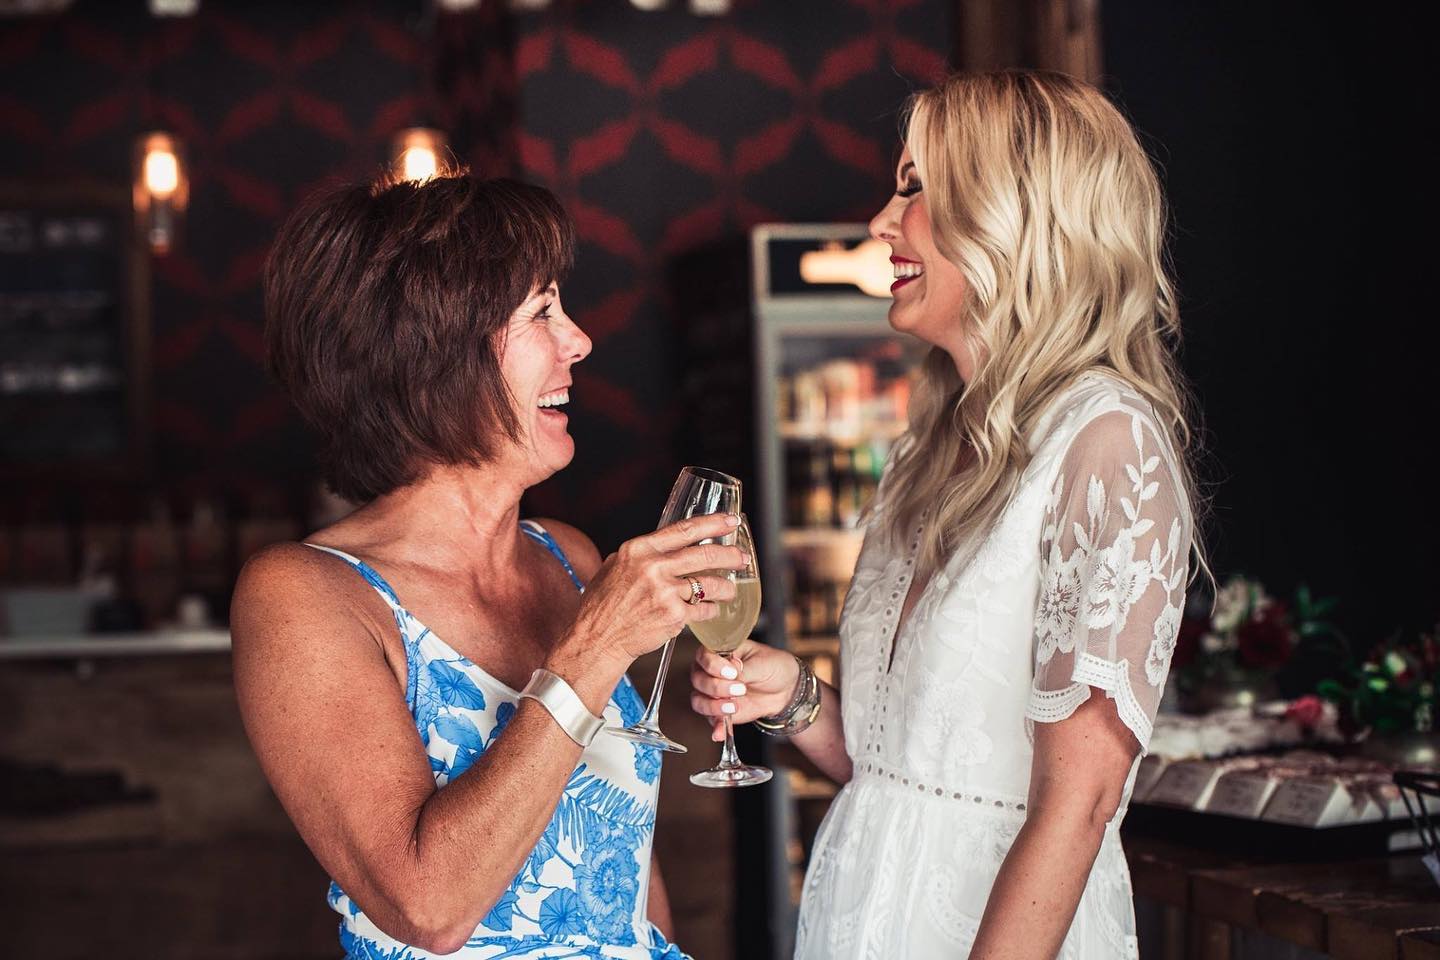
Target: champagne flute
(697, 491)
(722, 635)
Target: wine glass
(697, 491)
(722, 635)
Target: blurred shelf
(86, 646)
(810, 645)
(802, 537)
(842, 433)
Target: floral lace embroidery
(1089, 594)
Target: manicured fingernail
(732, 519)
(729, 673)
(737, 689)
(727, 708)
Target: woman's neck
(456, 517)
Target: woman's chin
(555, 454)
(901, 318)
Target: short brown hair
(385, 311)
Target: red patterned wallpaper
(665, 134)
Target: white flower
(1116, 581)
(1162, 647)
(1214, 642)
(1058, 609)
(1231, 605)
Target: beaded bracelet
(802, 710)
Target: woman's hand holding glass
(760, 686)
(641, 596)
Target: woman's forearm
(472, 837)
(1038, 888)
(823, 742)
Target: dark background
(666, 135)
(1288, 138)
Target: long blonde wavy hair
(1039, 191)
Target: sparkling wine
(737, 618)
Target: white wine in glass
(697, 491)
(736, 620)
(723, 634)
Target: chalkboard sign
(73, 330)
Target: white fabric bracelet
(555, 695)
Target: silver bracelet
(802, 710)
(552, 692)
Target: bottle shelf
(842, 433)
(812, 537)
(807, 646)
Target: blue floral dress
(582, 892)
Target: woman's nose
(883, 224)
(575, 345)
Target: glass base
(650, 736)
(741, 776)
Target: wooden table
(1380, 909)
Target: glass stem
(728, 758)
(652, 710)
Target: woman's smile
(550, 405)
(905, 271)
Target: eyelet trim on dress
(901, 778)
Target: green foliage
(1393, 690)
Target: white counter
(86, 646)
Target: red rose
(1306, 711)
(1265, 639)
(1187, 642)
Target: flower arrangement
(1234, 655)
(1392, 691)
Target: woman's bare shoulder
(290, 589)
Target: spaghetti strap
(542, 536)
(366, 571)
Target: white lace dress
(1079, 584)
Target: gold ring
(697, 592)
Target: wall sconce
(174, 8)
(417, 153)
(867, 266)
(162, 189)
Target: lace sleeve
(1113, 561)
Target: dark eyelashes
(909, 190)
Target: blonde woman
(1009, 627)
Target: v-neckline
(902, 621)
(905, 617)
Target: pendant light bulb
(162, 173)
(161, 189)
(418, 154)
